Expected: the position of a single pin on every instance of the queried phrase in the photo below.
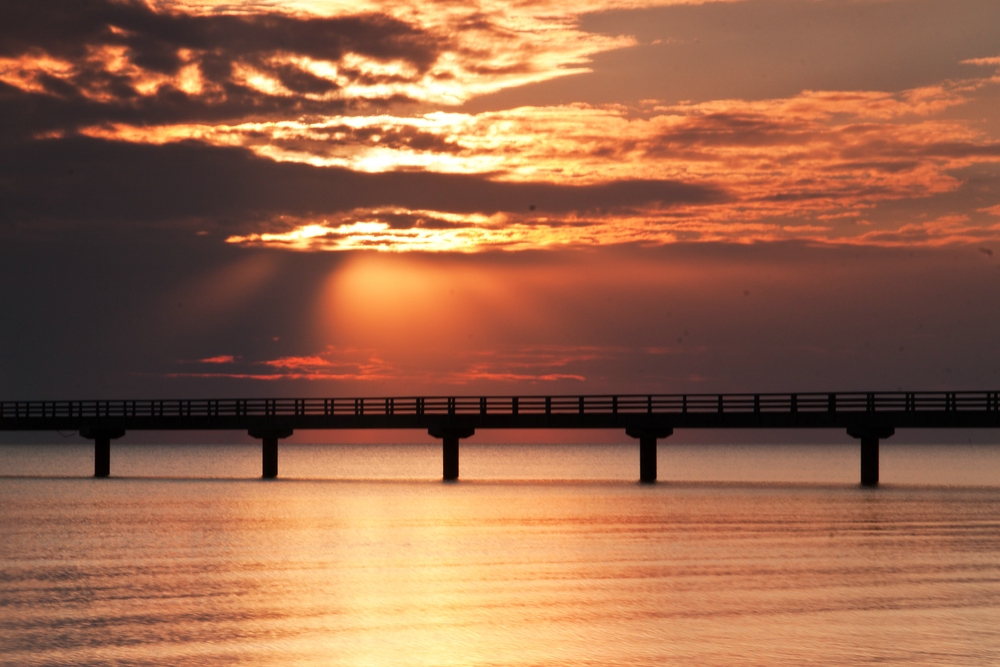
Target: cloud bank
(319, 126)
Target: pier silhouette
(867, 416)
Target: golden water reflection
(212, 572)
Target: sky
(332, 198)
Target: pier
(869, 417)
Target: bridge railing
(984, 401)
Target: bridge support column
(102, 447)
(647, 449)
(450, 437)
(869, 437)
(269, 458)
(269, 450)
(102, 457)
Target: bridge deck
(867, 416)
(968, 409)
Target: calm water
(177, 560)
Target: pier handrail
(866, 416)
(583, 404)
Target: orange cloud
(700, 224)
(946, 230)
(582, 143)
(790, 167)
(331, 364)
(531, 364)
(298, 362)
(361, 52)
(993, 61)
(482, 374)
(528, 364)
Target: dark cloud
(29, 114)
(67, 28)
(216, 44)
(91, 180)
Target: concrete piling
(102, 438)
(869, 437)
(450, 437)
(102, 456)
(647, 437)
(269, 458)
(269, 436)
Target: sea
(768, 555)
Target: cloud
(859, 131)
(330, 364)
(151, 40)
(100, 61)
(298, 362)
(590, 143)
(945, 230)
(532, 364)
(221, 359)
(547, 363)
(766, 49)
(87, 180)
(790, 168)
(244, 125)
(476, 374)
(993, 61)
(756, 172)
(77, 63)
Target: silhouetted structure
(869, 417)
